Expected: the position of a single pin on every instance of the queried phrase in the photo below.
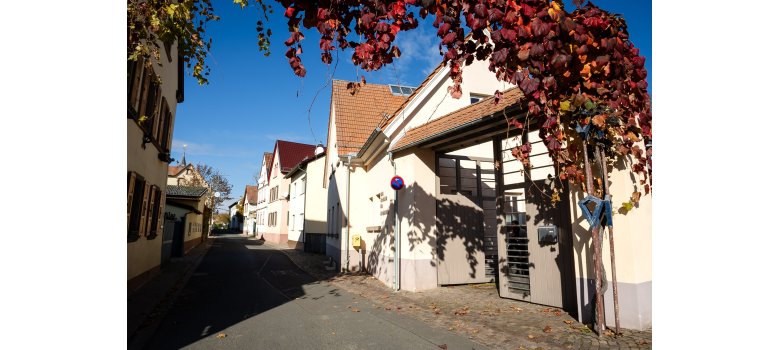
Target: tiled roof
(174, 170)
(303, 163)
(458, 118)
(185, 191)
(409, 99)
(291, 153)
(251, 194)
(267, 157)
(359, 114)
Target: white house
(250, 210)
(468, 212)
(262, 193)
(308, 201)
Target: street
(245, 295)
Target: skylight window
(401, 90)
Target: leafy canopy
(579, 73)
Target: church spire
(183, 154)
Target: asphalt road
(258, 299)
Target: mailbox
(356, 241)
(548, 234)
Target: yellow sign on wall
(356, 241)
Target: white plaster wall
(316, 198)
(476, 80)
(296, 206)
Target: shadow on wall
(456, 222)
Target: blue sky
(253, 100)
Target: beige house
(151, 110)
(187, 206)
(307, 205)
(250, 210)
(286, 155)
(469, 212)
(184, 174)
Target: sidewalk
(147, 305)
(476, 312)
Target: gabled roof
(457, 119)
(185, 191)
(412, 96)
(303, 163)
(267, 158)
(174, 170)
(360, 114)
(291, 153)
(251, 194)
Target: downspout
(397, 236)
(346, 241)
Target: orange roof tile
(458, 118)
(174, 170)
(251, 194)
(358, 115)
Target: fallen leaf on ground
(531, 336)
(443, 346)
(462, 311)
(547, 329)
(221, 335)
(557, 313)
(568, 321)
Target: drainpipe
(396, 234)
(346, 241)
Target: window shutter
(168, 130)
(130, 190)
(144, 207)
(160, 212)
(136, 84)
(150, 211)
(144, 92)
(160, 133)
(154, 127)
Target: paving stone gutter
(475, 312)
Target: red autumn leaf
(290, 12)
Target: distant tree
(222, 218)
(240, 206)
(214, 180)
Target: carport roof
(185, 191)
(458, 119)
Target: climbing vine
(580, 75)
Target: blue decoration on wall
(594, 218)
(397, 183)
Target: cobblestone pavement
(476, 312)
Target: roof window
(399, 90)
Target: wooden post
(596, 247)
(605, 177)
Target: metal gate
(534, 243)
(167, 238)
(465, 220)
